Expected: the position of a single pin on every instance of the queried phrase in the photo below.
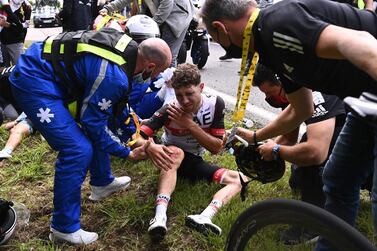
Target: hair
(185, 75)
(151, 50)
(214, 10)
(262, 74)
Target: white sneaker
(4, 155)
(202, 224)
(80, 237)
(100, 192)
(157, 228)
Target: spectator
(76, 14)
(99, 90)
(315, 45)
(173, 17)
(10, 21)
(12, 37)
(310, 155)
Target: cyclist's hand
(103, 12)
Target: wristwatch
(275, 151)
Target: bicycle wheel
(292, 212)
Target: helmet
(141, 27)
(8, 219)
(251, 164)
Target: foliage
(122, 219)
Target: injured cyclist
(192, 124)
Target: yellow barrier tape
(137, 125)
(103, 22)
(244, 89)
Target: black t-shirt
(326, 107)
(286, 35)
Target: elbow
(316, 157)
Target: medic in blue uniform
(42, 96)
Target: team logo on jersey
(287, 42)
(288, 68)
(319, 111)
(318, 98)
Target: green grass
(122, 219)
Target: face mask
(233, 51)
(140, 78)
(277, 101)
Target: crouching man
(193, 123)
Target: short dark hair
(262, 74)
(215, 10)
(185, 75)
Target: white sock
(212, 209)
(162, 201)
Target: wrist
(130, 154)
(147, 148)
(255, 141)
(191, 126)
(276, 151)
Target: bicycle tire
(284, 211)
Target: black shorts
(194, 168)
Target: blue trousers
(76, 155)
(353, 158)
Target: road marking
(253, 109)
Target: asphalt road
(223, 77)
(220, 76)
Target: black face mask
(277, 102)
(233, 51)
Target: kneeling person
(193, 123)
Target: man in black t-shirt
(309, 156)
(316, 45)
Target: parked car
(44, 16)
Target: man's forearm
(206, 140)
(302, 154)
(116, 5)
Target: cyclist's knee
(177, 156)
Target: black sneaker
(298, 235)
(225, 57)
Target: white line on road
(254, 110)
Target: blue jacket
(104, 83)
